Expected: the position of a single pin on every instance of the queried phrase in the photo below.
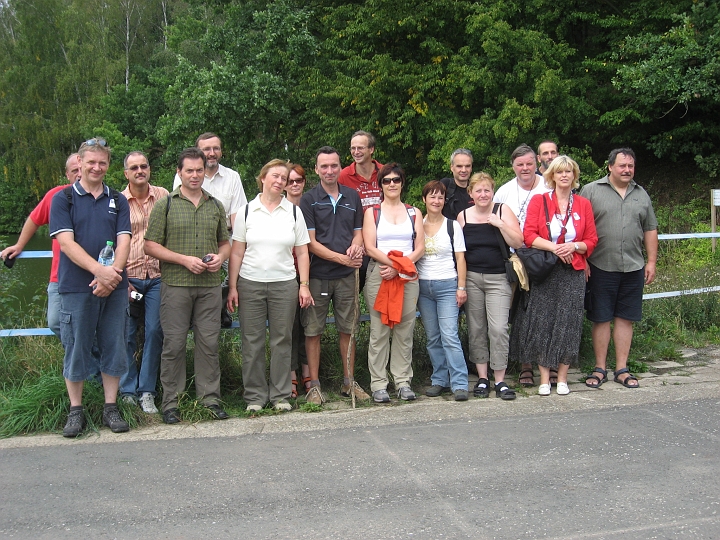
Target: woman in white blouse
(265, 233)
(442, 292)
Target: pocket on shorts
(66, 329)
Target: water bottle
(107, 254)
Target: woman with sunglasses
(551, 329)
(293, 192)
(395, 240)
(263, 283)
(489, 296)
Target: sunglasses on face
(391, 180)
(296, 181)
(143, 167)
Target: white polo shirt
(270, 239)
(226, 186)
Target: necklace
(521, 212)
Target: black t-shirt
(455, 199)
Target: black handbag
(539, 263)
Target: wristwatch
(577, 248)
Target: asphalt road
(605, 464)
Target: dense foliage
(280, 78)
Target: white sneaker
(254, 408)
(562, 389)
(147, 402)
(283, 406)
(544, 390)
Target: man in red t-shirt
(361, 175)
(38, 217)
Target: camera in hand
(9, 262)
(136, 306)
(206, 259)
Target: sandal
(630, 377)
(294, 392)
(553, 377)
(503, 391)
(306, 383)
(592, 377)
(526, 374)
(482, 388)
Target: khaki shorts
(342, 293)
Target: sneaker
(406, 394)
(357, 390)
(544, 390)
(253, 408)
(130, 400)
(147, 402)
(562, 389)
(283, 406)
(381, 396)
(436, 390)
(461, 395)
(112, 419)
(314, 396)
(75, 423)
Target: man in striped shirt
(144, 279)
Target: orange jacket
(389, 300)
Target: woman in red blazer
(552, 325)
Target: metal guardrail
(365, 317)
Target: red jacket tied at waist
(389, 300)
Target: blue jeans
(89, 322)
(53, 309)
(135, 383)
(439, 311)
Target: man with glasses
(93, 297)
(334, 216)
(457, 198)
(144, 280)
(38, 217)
(361, 174)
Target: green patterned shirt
(188, 230)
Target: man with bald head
(38, 217)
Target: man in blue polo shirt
(334, 216)
(93, 297)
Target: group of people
(291, 254)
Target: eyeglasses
(95, 142)
(143, 167)
(296, 181)
(393, 179)
(357, 148)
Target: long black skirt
(548, 332)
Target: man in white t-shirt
(517, 194)
(526, 184)
(222, 183)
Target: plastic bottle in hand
(107, 255)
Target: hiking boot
(356, 389)
(461, 395)
(381, 396)
(147, 402)
(436, 390)
(406, 394)
(130, 400)
(75, 423)
(314, 396)
(113, 420)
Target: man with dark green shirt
(188, 234)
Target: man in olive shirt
(188, 234)
(617, 272)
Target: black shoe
(75, 423)
(171, 416)
(435, 390)
(113, 420)
(218, 412)
(482, 388)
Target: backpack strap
(451, 234)
(409, 208)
